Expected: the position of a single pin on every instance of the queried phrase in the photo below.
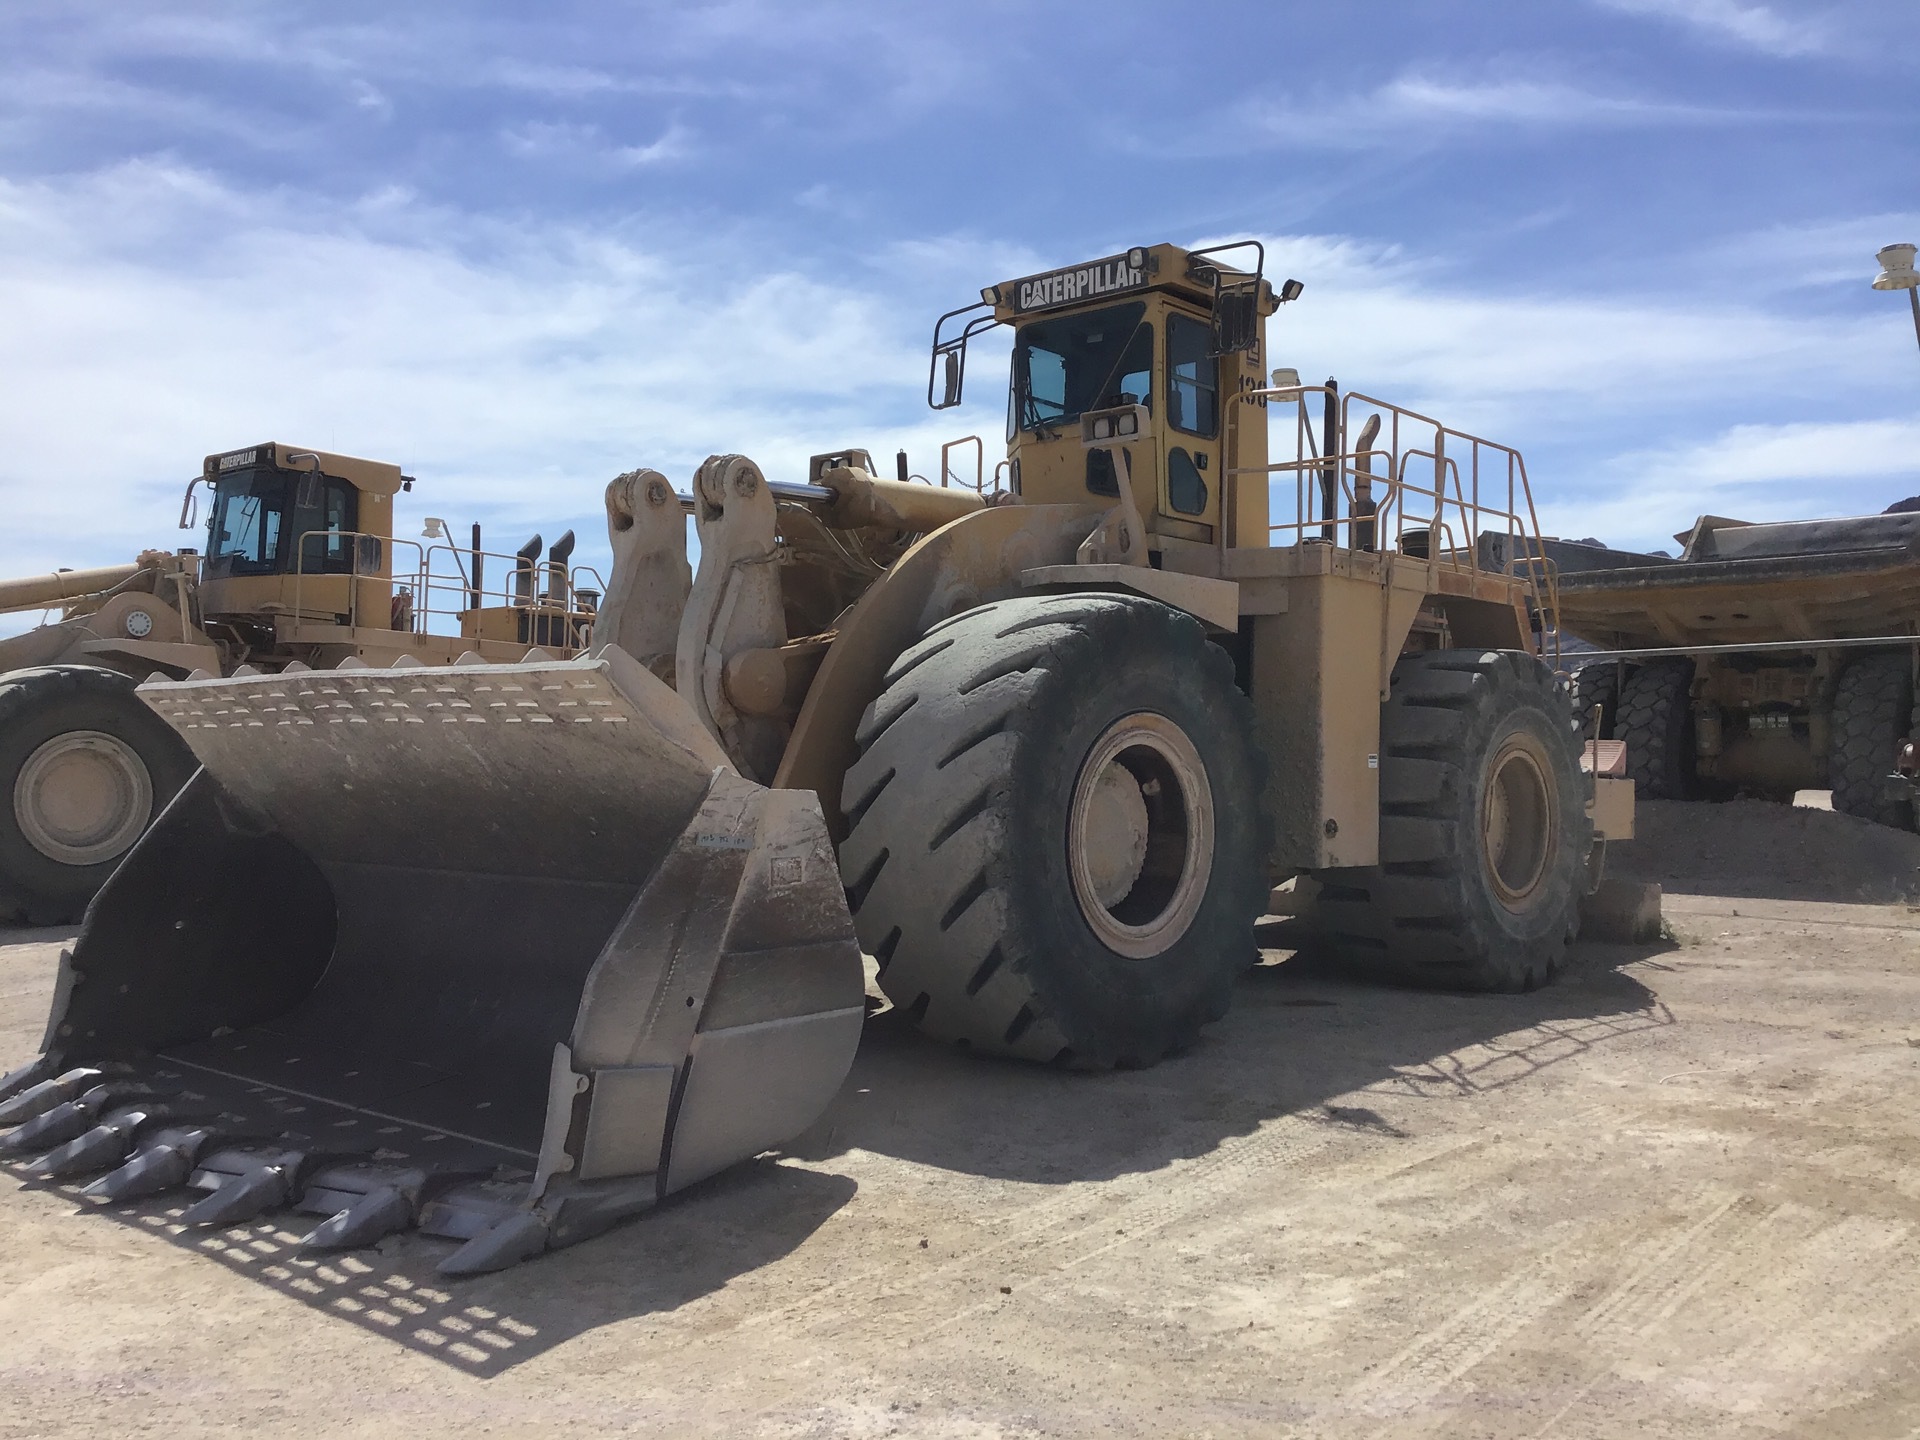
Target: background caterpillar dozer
(301, 564)
(509, 951)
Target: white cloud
(1420, 106)
(1401, 319)
(1836, 252)
(1626, 406)
(1756, 473)
(150, 315)
(589, 144)
(514, 385)
(1756, 27)
(673, 144)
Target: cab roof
(373, 477)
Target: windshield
(248, 532)
(244, 533)
(1076, 363)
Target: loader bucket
(501, 952)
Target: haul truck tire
(1591, 685)
(1484, 832)
(1655, 718)
(1871, 704)
(84, 768)
(1057, 850)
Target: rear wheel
(1057, 848)
(1871, 706)
(1483, 829)
(1591, 685)
(84, 768)
(1655, 719)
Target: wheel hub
(1518, 821)
(1140, 835)
(82, 798)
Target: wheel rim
(82, 797)
(1140, 835)
(1518, 810)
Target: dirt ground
(1676, 1194)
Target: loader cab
(1172, 331)
(299, 534)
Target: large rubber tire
(1484, 832)
(1872, 705)
(87, 712)
(975, 760)
(1655, 718)
(1591, 685)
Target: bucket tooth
(35, 1071)
(101, 1148)
(70, 1119)
(165, 1163)
(520, 1236)
(35, 1100)
(376, 1215)
(239, 1200)
(248, 1182)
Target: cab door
(1190, 449)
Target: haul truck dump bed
(1766, 659)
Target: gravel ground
(1677, 1194)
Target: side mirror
(307, 497)
(1236, 320)
(190, 505)
(950, 395)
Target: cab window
(243, 536)
(329, 552)
(1193, 377)
(258, 514)
(1067, 366)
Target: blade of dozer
(504, 952)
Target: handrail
(438, 586)
(1476, 488)
(979, 462)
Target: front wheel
(84, 768)
(1057, 848)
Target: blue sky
(519, 249)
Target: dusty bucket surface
(503, 952)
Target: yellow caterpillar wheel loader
(300, 564)
(508, 951)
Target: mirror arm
(952, 349)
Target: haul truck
(301, 567)
(508, 952)
(1765, 660)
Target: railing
(557, 602)
(1410, 486)
(947, 472)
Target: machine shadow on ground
(693, 1245)
(1299, 1038)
